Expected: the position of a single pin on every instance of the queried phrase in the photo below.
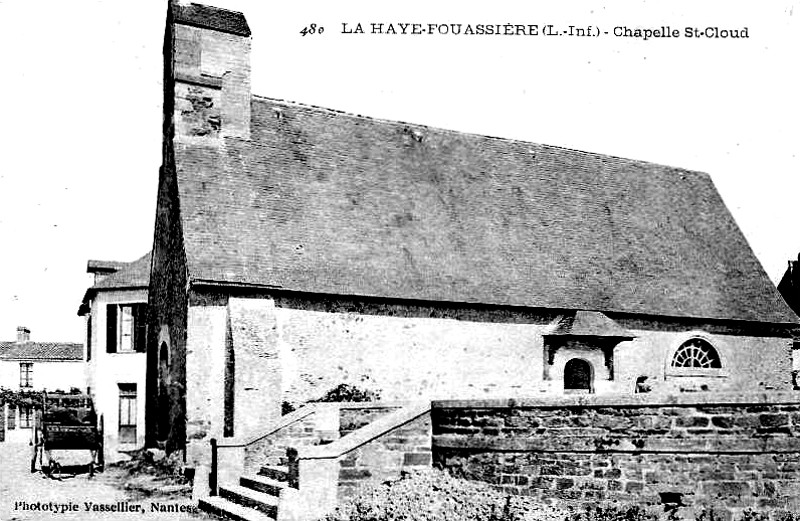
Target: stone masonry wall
(271, 450)
(404, 352)
(353, 418)
(385, 458)
(328, 422)
(408, 352)
(727, 452)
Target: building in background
(115, 308)
(297, 248)
(27, 365)
(789, 288)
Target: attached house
(115, 308)
(26, 365)
(297, 248)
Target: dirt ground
(110, 495)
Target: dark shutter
(111, 328)
(89, 338)
(140, 328)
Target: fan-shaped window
(696, 353)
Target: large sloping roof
(44, 351)
(327, 202)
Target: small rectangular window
(25, 374)
(125, 335)
(127, 413)
(11, 419)
(25, 418)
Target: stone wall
(353, 416)
(410, 352)
(391, 444)
(290, 348)
(312, 425)
(728, 452)
(406, 355)
(405, 448)
(306, 430)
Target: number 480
(312, 29)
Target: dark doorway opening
(578, 376)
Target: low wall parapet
(727, 451)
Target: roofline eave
(210, 283)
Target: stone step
(276, 472)
(225, 509)
(263, 484)
(247, 497)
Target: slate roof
(325, 202)
(134, 274)
(104, 266)
(589, 323)
(53, 351)
(210, 18)
(131, 275)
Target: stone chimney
(206, 73)
(23, 334)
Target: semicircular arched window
(696, 353)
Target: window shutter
(140, 328)
(111, 328)
(89, 338)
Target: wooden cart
(66, 422)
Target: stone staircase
(255, 498)
(303, 471)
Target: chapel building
(297, 248)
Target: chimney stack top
(23, 334)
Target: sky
(81, 119)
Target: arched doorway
(578, 376)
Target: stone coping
(631, 444)
(364, 405)
(285, 421)
(365, 434)
(633, 400)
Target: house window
(696, 353)
(125, 331)
(127, 413)
(25, 374)
(25, 418)
(11, 418)
(126, 328)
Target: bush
(436, 495)
(144, 461)
(286, 408)
(348, 393)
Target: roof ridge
(677, 169)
